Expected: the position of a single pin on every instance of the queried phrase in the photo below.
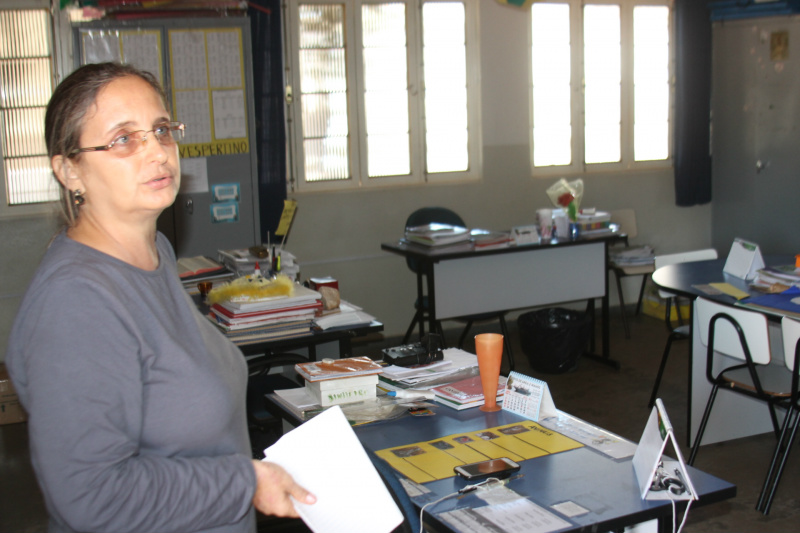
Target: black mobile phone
(499, 468)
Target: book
(485, 239)
(343, 390)
(199, 265)
(466, 393)
(337, 368)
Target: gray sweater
(136, 402)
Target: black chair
(791, 350)
(263, 426)
(743, 335)
(443, 215)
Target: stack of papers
(632, 257)
(456, 365)
(777, 278)
(436, 234)
(346, 316)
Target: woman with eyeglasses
(136, 402)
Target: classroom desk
(606, 487)
(734, 415)
(462, 281)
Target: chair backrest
(726, 339)
(683, 257)
(427, 215)
(626, 218)
(791, 340)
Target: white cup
(545, 219)
(562, 226)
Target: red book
(466, 393)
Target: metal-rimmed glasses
(166, 133)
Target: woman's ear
(65, 170)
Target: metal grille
(26, 83)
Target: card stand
(744, 260)
(529, 397)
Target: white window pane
(444, 57)
(384, 25)
(386, 112)
(651, 141)
(323, 71)
(602, 143)
(602, 105)
(388, 155)
(445, 66)
(321, 26)
(551, 106)
(447, 152)
(552, 146)
(324, 115)
(446, 110)
(385, 68)
(326, 159)
(443, 24)
(550, 24)
(551, 72)
(26, 84)
(323, 88)
(651, 83)
(651, 103)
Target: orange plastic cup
(489, 348)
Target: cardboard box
(11, 410)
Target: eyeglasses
(167, 133)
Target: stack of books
(777, 278)
(456, 365)
(466, 393)
(249, 321)
(633, 257)
(338, 381)
(436, 234)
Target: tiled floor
(613, 399)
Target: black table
(734, 415)
(461, 281)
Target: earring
(77, 198)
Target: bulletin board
(205, 67)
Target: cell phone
(499, 468)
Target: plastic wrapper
(568, 196)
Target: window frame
(61, 57)
(578, 167)
(357, 150)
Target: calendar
(529, 397)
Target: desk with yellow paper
(730, 290)
(433, 460)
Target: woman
(135, 401)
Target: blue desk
(607, 488)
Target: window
(601, 85)
(382, 93)
(26, 76)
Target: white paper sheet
(325, 456)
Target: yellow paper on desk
(730, 290)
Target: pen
(428, 395)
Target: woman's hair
(64, 119)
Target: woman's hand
(273, 488)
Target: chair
(791, 352)
(626, 218)
(743, 335)
(681, 331)
(442, 215)
(264, 428)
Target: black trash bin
(554, 339)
